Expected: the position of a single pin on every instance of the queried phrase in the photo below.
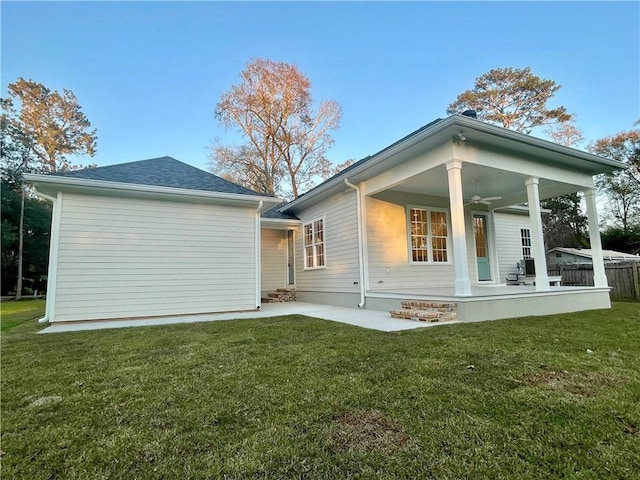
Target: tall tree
(54, 121)
(622, 187)
(37, 137)
(286, 140)
(513, 98)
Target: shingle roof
(160, 172)
(273, 213)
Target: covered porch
(445, 198)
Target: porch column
(599, 275)
(456, 202)
(537, 239)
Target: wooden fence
(623, 277)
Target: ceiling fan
(483, 200)
(479, 199)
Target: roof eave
(356, 174)
(97, 186)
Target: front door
(291, 263)
(482, 246)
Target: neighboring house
(564, 256)
(408, 223)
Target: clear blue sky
(148, 74)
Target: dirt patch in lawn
(366, 431)
(584, 384)
(42, 401)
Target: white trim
(430, 260)
(324, 243)
(52, 272)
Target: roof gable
(159, 172)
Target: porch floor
(477, 292)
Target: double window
(429, 235)
(314, 256)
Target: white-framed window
(428, 235)
(525, 241)
(314, 251)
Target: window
(525, 239)
(314, 244)
(429, 235)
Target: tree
(513, 98)
(286, 140)
(566, 224)
(37, 137)
(622, 187)
(55, 123)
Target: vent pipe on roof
(470, 113)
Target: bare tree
(621, 187)
(285, 138)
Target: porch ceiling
(483, 181)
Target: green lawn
(15, 313)
(296, 397)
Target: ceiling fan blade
(488, 199)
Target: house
(150, 238)
(432, 220)
(564, 256)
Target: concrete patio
(371, 319)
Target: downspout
(258, 258)
(360, 242)
(53, 201)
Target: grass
(296, 397)
(14, 313)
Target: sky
(149, 74)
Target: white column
(599, 275)
(456, 202)
(537, 238)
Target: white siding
(341, 246)
(122, 258)
(508, 244)
(388, 246)
(274, 259)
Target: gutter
(360, 242)
(258, 258)
(134, 187)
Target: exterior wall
(388, 248)
(274, 259)
(341, 247)
(507, 241)
(121, 258)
